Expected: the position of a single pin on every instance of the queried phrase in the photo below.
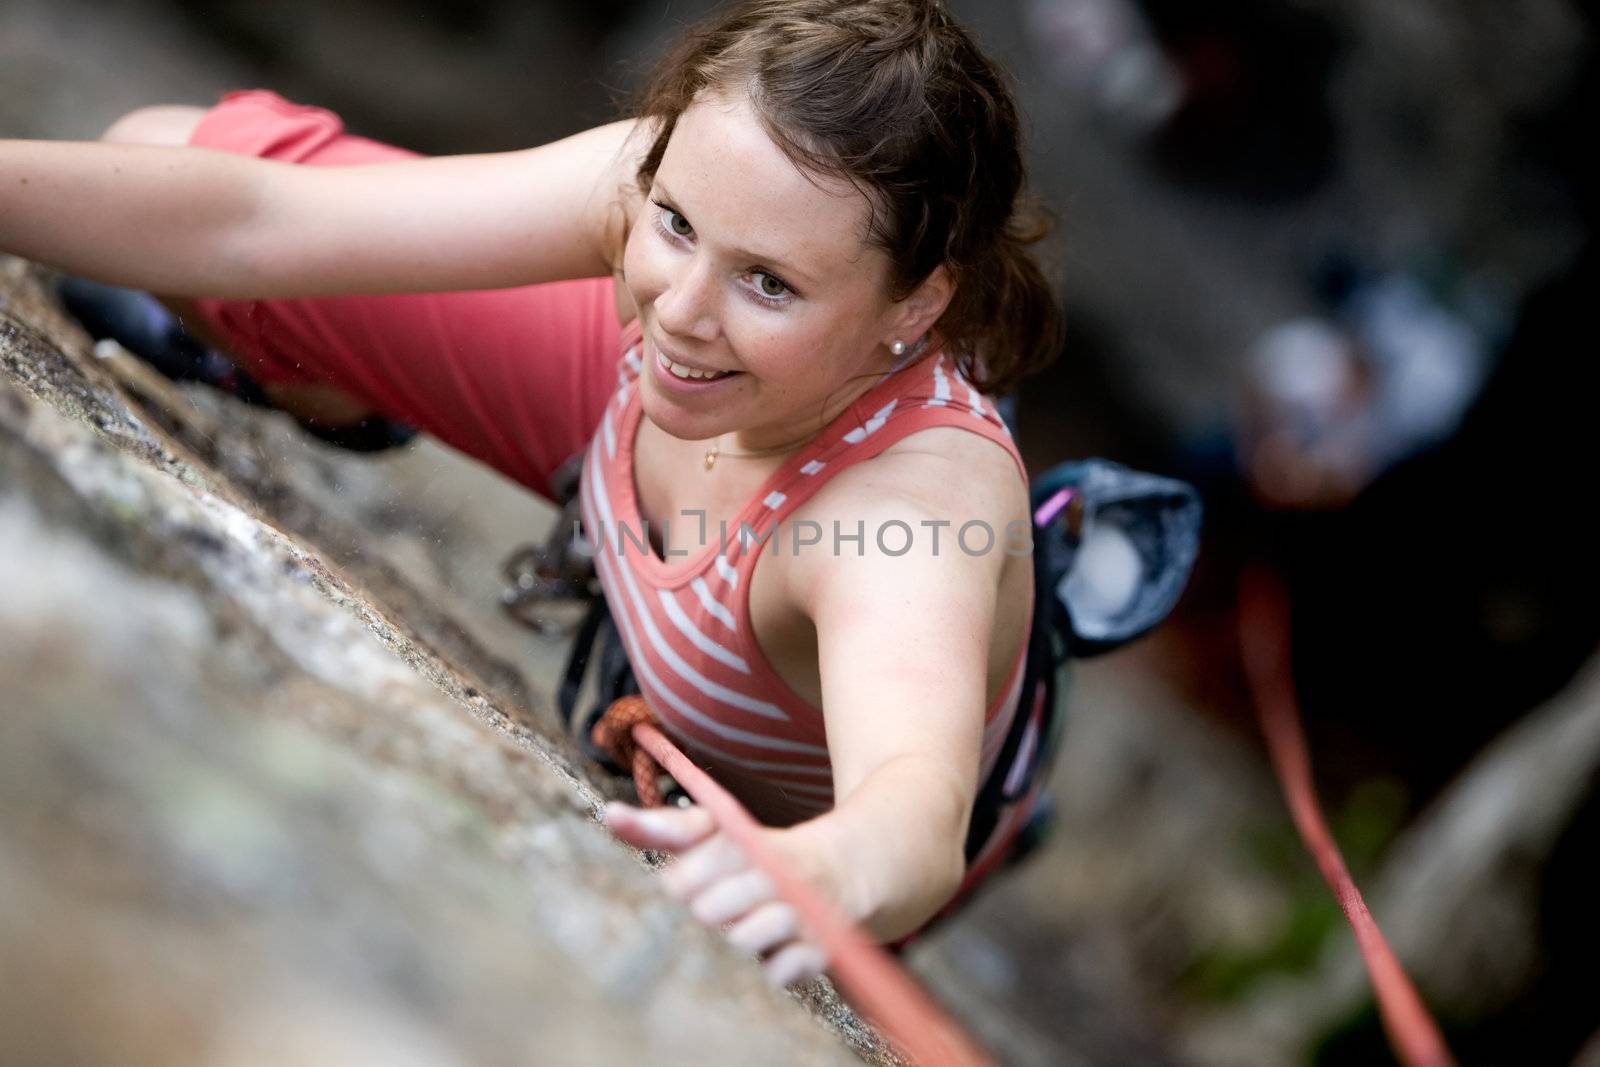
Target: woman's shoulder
(943, 463)
(943, 507)
(928, 440)
(940, 474)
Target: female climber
(770, 310)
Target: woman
(810, 253)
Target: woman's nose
(687, 306)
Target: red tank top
(685, 621)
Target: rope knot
(613, 735)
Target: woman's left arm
(902, 645)
(903, 648)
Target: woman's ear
(919, 311)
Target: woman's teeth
(678, 370)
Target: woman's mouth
(683, 375)
(681, 370)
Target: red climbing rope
(1264, 645)
(869, 977)
(613, 733)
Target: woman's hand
(722, 887)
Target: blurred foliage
(1364, 824)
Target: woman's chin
(671, 418)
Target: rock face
(259, 806)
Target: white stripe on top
(941, 384)
(704, 685)
(857, 435)
(975, 401)
(807, 769)
(711, 604)
(688, 629)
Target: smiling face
(741, 262)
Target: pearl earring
(898, 348)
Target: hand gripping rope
(878, 987)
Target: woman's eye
(678, 224)
(771, 286)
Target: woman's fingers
(700, 866)
(765, 928)
(796, 962)
(733, 896)
(668, 829)
(712, 874)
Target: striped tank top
(685, 622)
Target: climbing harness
(560, 568)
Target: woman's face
(741, 262)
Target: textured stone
(250, 813)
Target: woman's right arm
(203, 222)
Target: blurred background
(1329, 260)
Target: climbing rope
(1264, 646)
(867, 975)
(613, 734)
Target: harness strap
(578, 661)
(596, 641)
(1043, 658)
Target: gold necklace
(716, 450)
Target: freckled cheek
(782, 359)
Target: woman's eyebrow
(788, 269)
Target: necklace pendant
(711, 458)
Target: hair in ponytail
(895, 97)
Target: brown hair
(895, 97)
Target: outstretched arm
(903, 650)
(201, 222)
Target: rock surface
(248, 814)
